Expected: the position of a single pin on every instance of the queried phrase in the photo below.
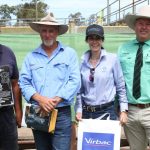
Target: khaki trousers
(137, 129)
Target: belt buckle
(91, 108)
(87, 108)
(147, 105)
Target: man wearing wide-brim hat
(50, 78)
(135, 61)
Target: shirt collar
(136, 42)
(86, 56)
(40, 50)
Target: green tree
(75, 18)
(5, 13)
(28, 11)
(92, 19)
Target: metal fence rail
(108, 17)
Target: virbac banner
(94, 141)
(98, 135)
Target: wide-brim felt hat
(49, 20)
(144, 12)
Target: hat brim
(36, 26)
(130, 20)
(95, 34)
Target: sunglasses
(91, 77)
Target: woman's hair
(102, 38)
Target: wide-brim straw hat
(49, 20)
(144, 12)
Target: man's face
(142, 29)
(48, 34)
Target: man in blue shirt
(50, 78)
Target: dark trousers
(109, 110)
(61, 139)
(8, 129)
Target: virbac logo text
(97, 142)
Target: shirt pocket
(127, 63)
(61, 70)
(147, 65)
(38, 73)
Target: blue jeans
(8, 129)
(110, 110)
(61, 139)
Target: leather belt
(63, 107)
(95, 108)
(141, 106)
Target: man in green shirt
(135, 61)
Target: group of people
(51, 77)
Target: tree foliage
(5, 14)
(6, 11)
(92, 19)
(28, 10)
(75, 18)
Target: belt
(63, 107)
(141, 106)
(95, 108)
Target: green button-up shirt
(127, 54)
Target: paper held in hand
(52, 120)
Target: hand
(78, 116)
(123, 118)
(47, 104)
(57, 100)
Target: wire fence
(112, 14)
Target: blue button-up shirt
(57, 75)
(108, 80)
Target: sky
(63, 8)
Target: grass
(22, 44)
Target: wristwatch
(126, 111)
